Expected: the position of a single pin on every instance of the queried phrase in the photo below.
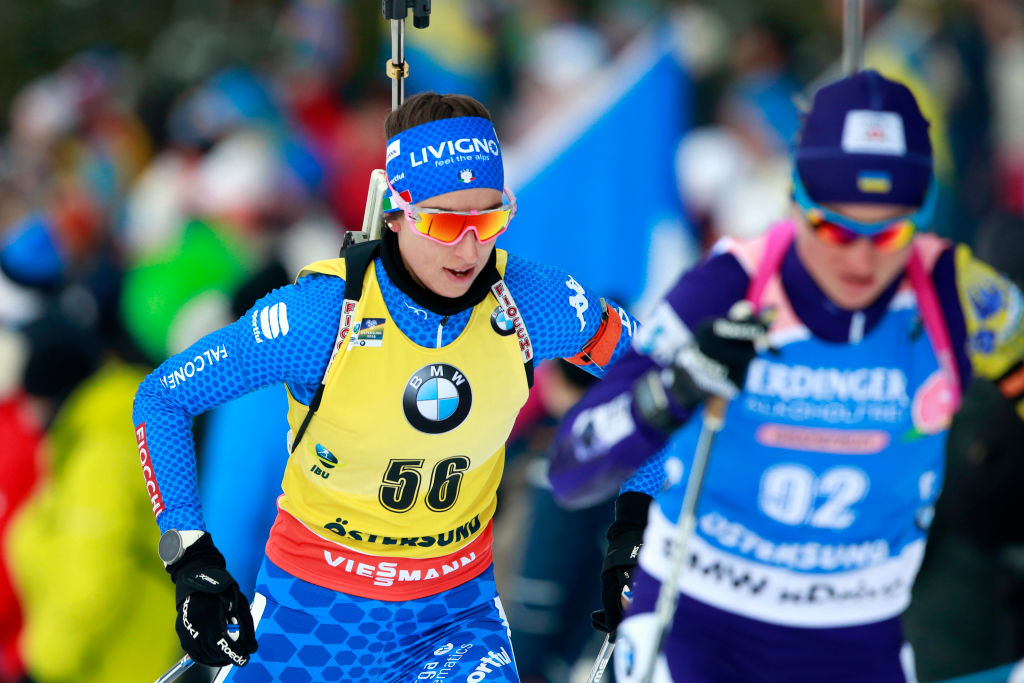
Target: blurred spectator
(183, 290)
(456, 53)
(234, 158)
(19, 461)
(734, 175)
(80, 549)
(1002, 24)
(74, 147)
(556, 47)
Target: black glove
(625, 537)
(208, 600)
(715, 362)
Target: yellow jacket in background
(99, 606)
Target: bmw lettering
(437, 398)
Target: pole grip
(714, 412)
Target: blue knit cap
(865, 140)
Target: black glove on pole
(625, 537)
(209, 601)
(714, 363)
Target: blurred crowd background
(165, 163)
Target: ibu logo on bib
(437, 398)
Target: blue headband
(444, 156)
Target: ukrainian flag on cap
(874, 182)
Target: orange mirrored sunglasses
(449, 227)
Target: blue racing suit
(418, 619)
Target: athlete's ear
(394, 221)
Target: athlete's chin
(854, 293)
(447, 288)
(855, 299)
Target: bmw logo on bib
(437, 398)
(501, 323)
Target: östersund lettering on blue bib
(814, 511)
(444, 156)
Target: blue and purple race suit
(819, 491)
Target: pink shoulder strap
(777, 241)
(934, 321)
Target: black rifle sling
(357, 258)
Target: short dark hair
(425, 107)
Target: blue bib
(821, 485)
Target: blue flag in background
(593, 186)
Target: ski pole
(186, 662)
(853, 37)
(602, 660)
(172, 674)
(668, 594)
(605, 655)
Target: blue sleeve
(649, 477)
(286, 336)
(602, 440)
(561, 315)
